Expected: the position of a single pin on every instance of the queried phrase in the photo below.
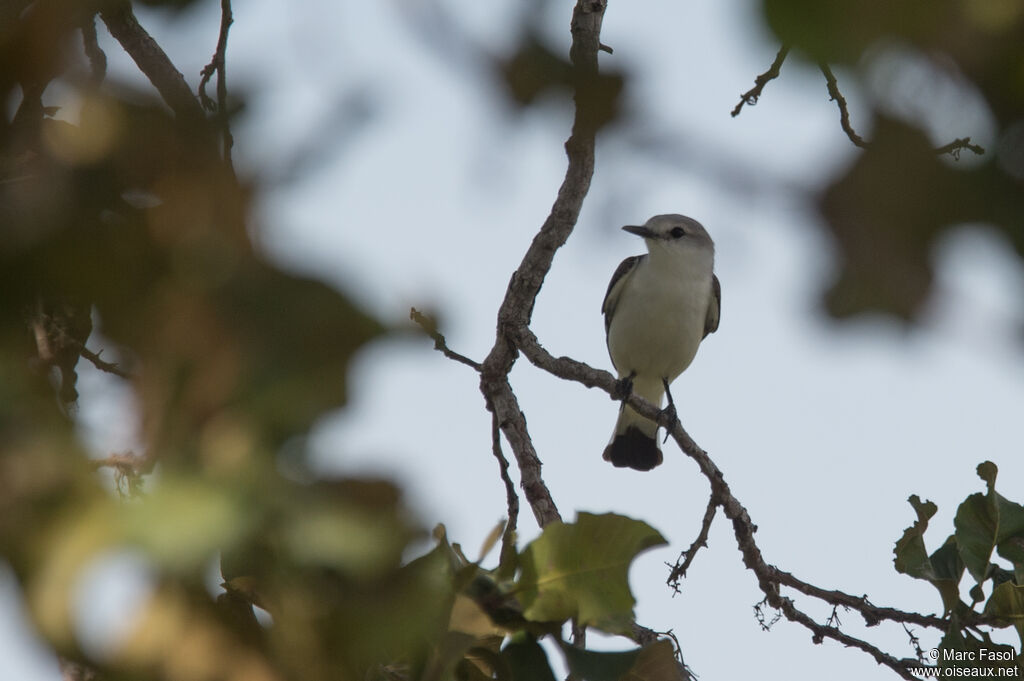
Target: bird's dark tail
(633, 449)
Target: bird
(657, 310)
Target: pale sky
(822, 431)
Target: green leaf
(599, 666)
(975, 534)
(911, 554)
(948, 569)
(942, 568)
(985, 522)
(1007, 603)
(581, 570)
(527, 660)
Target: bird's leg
(670, 410)
(624, 387)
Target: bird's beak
(645, 232)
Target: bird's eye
(677, 232)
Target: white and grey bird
(658, 309)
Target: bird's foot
(624, 387)
(668, 412)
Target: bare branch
(512, 421)
(821, 632)
(753, 94)
(429, 326)
(844, 112)
(679, 569)
(517, 308)
(871, 613)
(953, 148)
(152, 61)
(508, 537)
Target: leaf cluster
(986, 525)
(128, 219)
(573, 573)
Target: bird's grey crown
(664, 224)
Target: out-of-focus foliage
(122, 216)
(534, 72)
(985, 524)
(890, 209)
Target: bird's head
(673, 233)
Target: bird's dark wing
(611, 297)
(714, 307)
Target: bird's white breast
(660, 316)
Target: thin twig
(956, 146)
(679, 569)
(218, 65)
(916, 642)
(508, 537)
(753, 94)
(102, 365)
(953, 148)
(844, 112)
(871, 613)
(820, 632)
(429, 326)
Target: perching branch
(753, 94)
(770, 578)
